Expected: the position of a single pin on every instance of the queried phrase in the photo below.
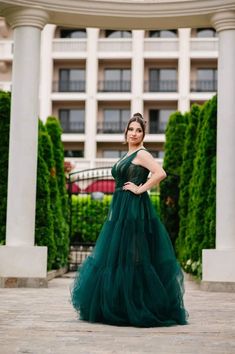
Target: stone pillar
(184, 69)
(91, 90)
(46, 72)
(137, 72)
(219, 263)
(21, 263)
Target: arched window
(73, 33)
(117, 34)
(206, 33)
(163, 34)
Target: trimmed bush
(200, 185)
(54, 129)
(5, 103)
(44, 228)
(169, 188)
(60, 228)
(186, 171)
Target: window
(206, 33)
(72, 80)
(157, 153)
(158, 119)
(206, 81)
(117, 80)
(114, 121)
(113, 153)
(117, 34)
(73, 33)
(73, 153)
(162, 80)
(72, 120)
(163, 34)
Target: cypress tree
(44, 228)
(5, 103)
(54, 129)
(200, 183)
(189, 152)
(169, 188)
(61, 239)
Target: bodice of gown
(126, 171)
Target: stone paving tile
(42, 321)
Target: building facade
(93, 80)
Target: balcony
(204, 47)
(159, 47)
(69, 86)
(114, 86)
(111, 127)
(69, 48)
(6, 50)
(73, 127)
(114, 47)
(161, 86)
(5, 86)
(203, 85)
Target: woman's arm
(145, 159)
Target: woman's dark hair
(137, 117)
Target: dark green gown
(132, 277)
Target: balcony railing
(111, 127)
(114, 86)
(203, 85)
(161, 86)
(119, 127)
(204, 44)
(62, 45)
(6, 49)
(69, 86)
(159, 45)
(73, 127)
(115, 45)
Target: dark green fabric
(132, 277)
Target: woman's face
(135, 133)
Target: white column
(137, 72)
(91, 101)
(46, 72)
(184, 69)
(219, 264)
(19, 258)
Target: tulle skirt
(132, 278)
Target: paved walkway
(41, 321)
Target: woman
(132, 277)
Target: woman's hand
(132, 187)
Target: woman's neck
(132, 148)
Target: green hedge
(189, 152)
(5, 103)
(89, 215)
(169, 187)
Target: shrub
(189, 152)
(169, 188)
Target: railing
(114, 86)
(204, 44)
(69, 86)
(115, 45)
(161, 45)
(6, 49)
(69, 45)
(111, 127)
(203, 85)
(161, 86)
(5, 86)
(73, 127)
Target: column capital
(22, 16)
(223, 20)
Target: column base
(218, 286)
(23, 266)
(218, 265)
